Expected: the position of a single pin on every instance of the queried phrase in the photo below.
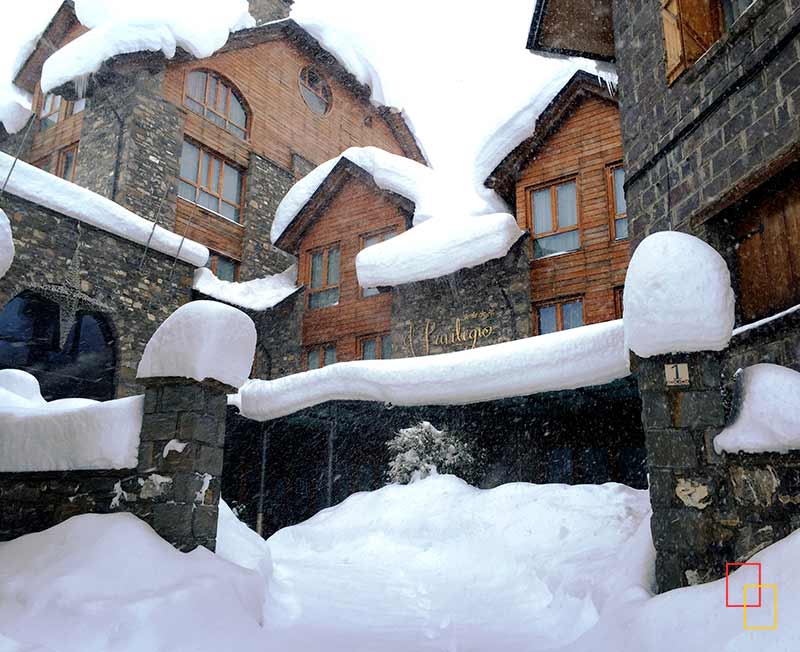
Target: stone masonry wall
(483, 305)
(267, 184)
(720, 125)
(279, 351)
(83, 268)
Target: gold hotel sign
(452, 336)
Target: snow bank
(453, 230)
(678, 296)
(66, 434)
(200, 27)
(48, 190)
(6, 244)
(239, 544)
(258, 294)
(14, 111)
(590, 355)
(97, 583)
(202, 339)
(769, 414)
(440, 565)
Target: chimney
(265, 11)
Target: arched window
(207, 94)
(83, 368)
(315, 91)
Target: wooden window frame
(559, 304)
(378, 339)
(552, 185)
(215, 193)
(65, 109)
(619, 307)
(320, 348)
(612, 202)
(60, 161)
(363, 245)
(678, 32)
(212, 264)
(303, 83)
(325, 250)
(232, 91)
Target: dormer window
(315, 91)
(209, 95)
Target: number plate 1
(677, 375)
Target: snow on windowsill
(45, 189)
(580, 357)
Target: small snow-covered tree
(422, 449)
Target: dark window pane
(542, 215)
(212, 90)
(559, 465)
(238, 116)
(620, 204)
(386, 347)
(324, 298)
(28, 330)
(231, 212)
(313, 359)
(222, 98)
(196, 85)
(208, 201)
(567, 204)
(547, 320)
(204, 167)
(592, 465)
(232, 185)
(216, 166)
(197, 107)
(67, 164)
(556, 244)
(186, 191)
(316, 270)
(572, 314)
(189, 158)
(236, 131)
(226, 269)
(216, 119)
(330, 354)
(333, 266)
(621, 228)
(369, 349)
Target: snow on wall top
(433, 247)
(678, 296)
(50, 191)
(257, 294)
(6, 244)
(590, 355)
(769, 414)
(66, 434)
(200, 27)
(202, 339)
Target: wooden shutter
(690, 28)
(673, 39)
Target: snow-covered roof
(256, 294)
(452, 230)
(580, 357)
(45, 189)
(537, 128)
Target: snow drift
(590, 355)
(769, 414)
(200, 27)
(257, 294)
(678, 296)
(65, 434)
(6, 244)
(202, 339)
(100, 583)
(48, 190)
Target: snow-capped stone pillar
(199, 355)
(679, 314)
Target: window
(50, 111)
(618, 304)
(208, 95)
(555, 219)
(376, 347)
(321, 356)
(368, 241)
(225, 269)
(66, 162)
(690, 28)
(559, 316)
(210, 182)
(315, 91)
(53, 109)
(619, 207)
(324, 277)
(732, 9)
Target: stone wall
(710, 509)
(726, 124)
(279, 351)
(483, 305)
(320, 456)
(267, 184)
(83, 268)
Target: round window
(315, 91)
